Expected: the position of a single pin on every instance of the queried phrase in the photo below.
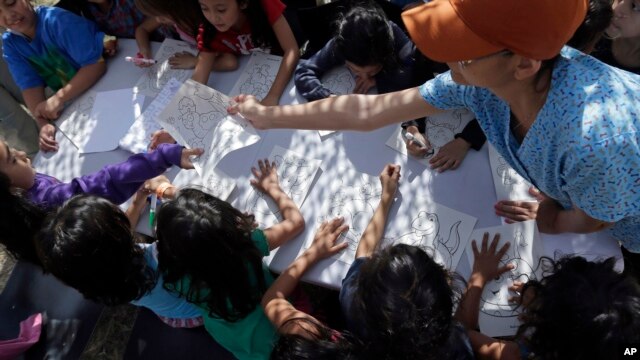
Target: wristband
(162, 188)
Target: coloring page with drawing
(440, 130)
(508, 183)
(354, 196)
(340, 81)
(258, 75)
(197, 117)
(498, 316)
(156, 76)
(137, 138)
(441, 231)
(216, 183)
(295, 174)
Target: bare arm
(347, 112)
(203, 68)
(143, 30)
(289, 60)
(33, 97)
(292, 221)
(275, 304)
(375, 229)
(553, 219)
(488, 348)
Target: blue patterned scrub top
(582, 149)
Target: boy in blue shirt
(51, 47)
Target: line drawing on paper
(260, 83)
(197, 125)
(156, 76)
(339, 80)
(508, 183)
(258, 75)
(75, 121)
(295, 175)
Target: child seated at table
(239, 26)
(90, 244)
(579, 309)
(211, 254)
(374, 49)
(27, 195)
(48, 46)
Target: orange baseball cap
(455, 30)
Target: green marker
(152, 210)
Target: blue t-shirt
(64, 42)
(159, 300)
(582, 149)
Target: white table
(468, 189)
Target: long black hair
(262, 34)
(207, 242)
(186, 13)
(89, 244)
(20, 220)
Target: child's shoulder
(52, 16)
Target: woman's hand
(515, 211)
(250, 108)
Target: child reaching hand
(237, 27)
(52, 47)
(579, 309)
(211, 254)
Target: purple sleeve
(116, 182)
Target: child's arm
(81, 81)
(47, 138)
(292, 221)
(488, 348)
(289, 60)
(308, 73)
(120, 181)
(143, 31)
(372, 235)
(486, 267)
(204, 66)
(138, 204)
(275, 304)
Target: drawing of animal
(508, 176)
(198, 125)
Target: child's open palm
(266, 176)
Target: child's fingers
(255, 173)
(503, 250)
(505, 268)
(337, 248)
(485, 240)
(494, 244)
(474, 247)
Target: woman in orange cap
(563, 120)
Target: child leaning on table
(239, 26)
(27, 195)
(50, 47)
(579, 309)
(90, 244)
(303, 336)
(211, 254)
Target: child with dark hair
(239, 26)
(304, 337)
(579, 310)
(23, 191)
(598, 19)
(90, 245)
(373, 48)
(211, 254)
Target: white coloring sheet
(498, 316)
(440, 129)
(441, 231)
(137, 138)
(258, 75)
(295, 173)
(339, 80)
(508, 183)
(156, 76)
(197, 118)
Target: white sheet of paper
(75, 119)
(217, 183)
(441, 231)
(440, 128)
(258, 75)
(137, 138)
(508, 183)
(295, 173)
(498, 315)
(105, 125)
(339, 80)
(197, 117)
(354, 196)
(157, 75)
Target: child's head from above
(321, 343)
(626, 19)
(208, 241)
(18, 16)
(88, 243)
(16, 166)
(21, 220)
(404, 301)
(581, 310)
(186, 14)
(365, 38)
(225, 14)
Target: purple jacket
(114, 182)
